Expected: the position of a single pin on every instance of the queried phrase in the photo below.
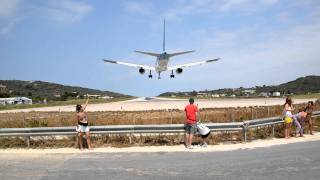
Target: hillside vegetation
(39, 90)
(300, 86)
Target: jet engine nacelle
(142, 71)
(179, 70)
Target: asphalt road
(291, 161)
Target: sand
(142, 104)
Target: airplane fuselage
(162, 62)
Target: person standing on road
(82, 127)
(191, 111)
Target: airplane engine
(142, 71)
(179, 70)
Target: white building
(106, 97)
(15, 100)
(264, 94)
(3, 88)
(249, 91)
(276, 94)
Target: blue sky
(63, 41)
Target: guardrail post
(28, 141)
(272, 130)
(244, 132)
(130, 139)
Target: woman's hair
(288, 101)
(311, 102)
(78, 107)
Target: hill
(302, 85)
(38, 90)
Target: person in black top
(82, 124)
(309, 110)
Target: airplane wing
(192, 64)
(130, 64)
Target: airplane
(162, 60)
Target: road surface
(300, 160)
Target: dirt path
(211, 148)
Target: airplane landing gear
(172, 75)
(150, 75)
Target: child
(204, 132)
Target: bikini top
(83, 120)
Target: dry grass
(114, 140)
(50, 119)
(215, 115)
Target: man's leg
(186, 139)
(190, 139)
(192, 132)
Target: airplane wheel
(172, 76)
(150, 76)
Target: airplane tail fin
(164, 36)
(180, 53)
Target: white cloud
(269, 2)
(229, 4)
(67, 10)
(280, 56)
(8, 26)
(210, 6)
(143, 8)
(8, 8)
(8, 15)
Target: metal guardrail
(141, 129)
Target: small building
(15, 100)
(249, 91)
(276, 94)
(3, 88)
(94, 96)
(202, 94)
(215, 95)
(57, 95)
(264, 94)
(106, 97)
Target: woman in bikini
(287, 114)
(82, 121)
(309, 110)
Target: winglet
(211, 60)
(110, 61)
